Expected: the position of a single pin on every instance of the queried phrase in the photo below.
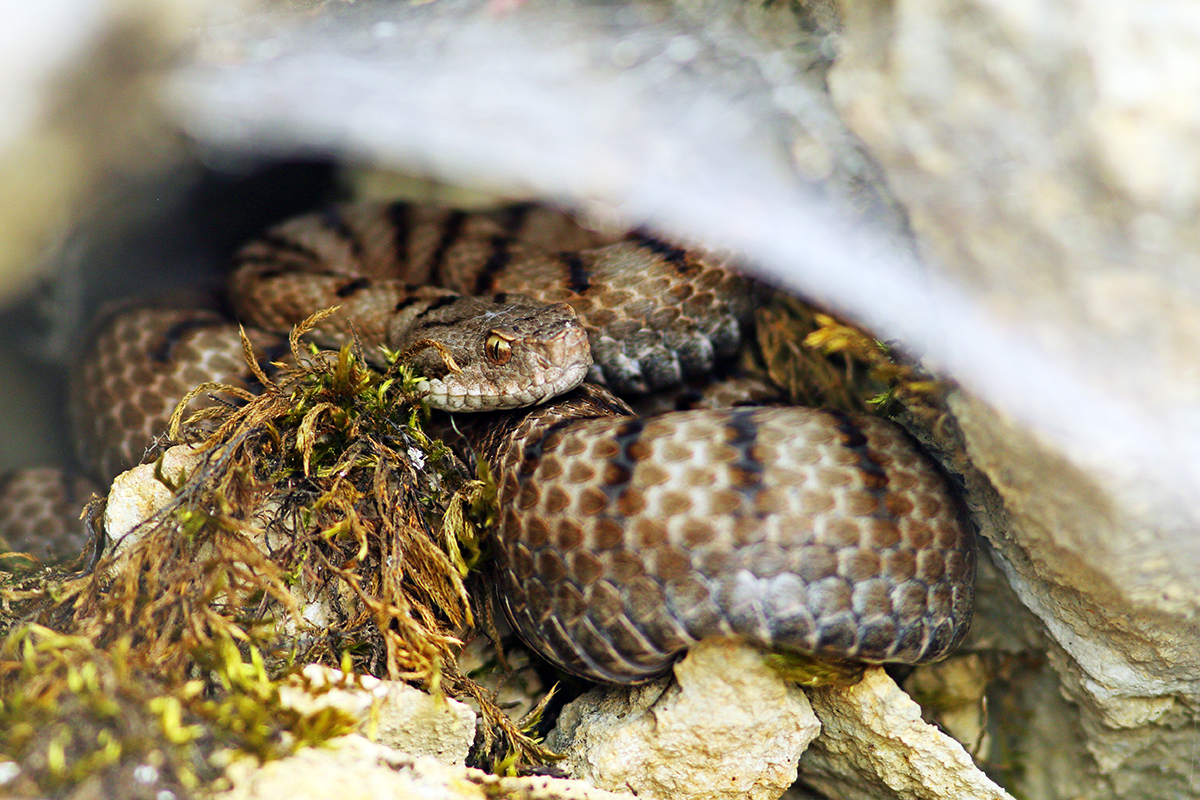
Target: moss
(809, 670)
(322, 492)
(73, 713)
(821, 360)
(320, 496)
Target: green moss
(810, 670)
(72, 712)
(321, 491)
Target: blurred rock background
(1009, 188)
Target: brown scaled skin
(623, 540)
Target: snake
(623, 539)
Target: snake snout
(569, 348)
(545, 355)
(562, 363)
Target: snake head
(492, 353)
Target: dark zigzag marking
(578, 278)
(173, 336)
(747, 470)
(626, 435)
(514, 218)
(531, 453)
(498, 260)
(283, 245)
(668, 252)
(408, 301)
(353, 287)
(400, 215)
(450, 232)
(441, 302)
(333, 221)
(875, 477)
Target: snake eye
(497, 349)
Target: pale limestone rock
(137, 494)
(874, 746)
(952, 694)
(317, 687)
(389, 712)
(725, 726)
(349, 768)
(1049, 166)
(354, 768)
(414, 722)
(1046, 152)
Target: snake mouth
(447, 394)
(541, 367)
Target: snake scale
(622, 539)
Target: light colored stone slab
(137, 494)
(875, 746)
(725, 726)
(389, 712)
(354, 768)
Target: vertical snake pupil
(497, 349)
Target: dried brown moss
(821, 360)
(321, 525)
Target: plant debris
(821, 360)
(321, 525)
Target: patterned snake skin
(623, 539)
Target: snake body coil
(623, 540)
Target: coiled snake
(623, 539)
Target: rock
(137, 494)
(351, 768)
(874, 746)
(354, 768)
(725, 726)
(1042, 151)
(952, 694)
(391, 713)
(1050, 174)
